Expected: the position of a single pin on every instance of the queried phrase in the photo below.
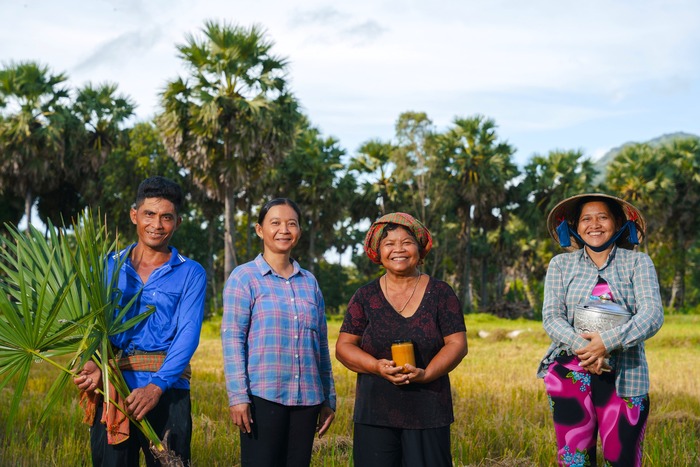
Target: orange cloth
(116, 422)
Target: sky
(588, 75)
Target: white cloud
(536, 66)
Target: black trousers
(379, 446)
(282, 436)
(173, 414)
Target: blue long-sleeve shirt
(633, 282)
(177, 291)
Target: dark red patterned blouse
(414, 406)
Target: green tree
(547, 180)
(102, 114)
(665, 183)
(314, 176)
(479, 168)
(140, 154)
(413, 159)
(31, 149)
(11, 210)
(378, 190)
(231, 117)
(420, 174)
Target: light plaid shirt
(275, 338)
(634, 285)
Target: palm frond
(57, 299)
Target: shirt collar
(176, 258)
(265, 268)
(583, 256)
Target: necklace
(415, 286)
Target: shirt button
(296, 356)
(295, 317)
(286, 282)
(296, 337)
(292, 299)
(296, 376)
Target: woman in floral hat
(598, 382)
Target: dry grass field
(502, 414)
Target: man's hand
(89, 378)
(325, 418)
(142, 400)
(241, 416)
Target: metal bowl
(599, 315)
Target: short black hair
(277, 202)
(159, 187)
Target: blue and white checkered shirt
(634, 285)
(275, 338)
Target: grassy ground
(502, 415)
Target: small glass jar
(402, 353)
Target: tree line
(233, 134)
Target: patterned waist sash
(140, 360)
(117, 424)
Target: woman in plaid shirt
(599, 381)
(276, 359)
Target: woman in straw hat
(403, 412)
(599, 381)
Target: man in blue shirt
(155, 354)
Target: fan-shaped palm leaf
(56, 299)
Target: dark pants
(282, 436)
(173, 414)
(379, 446)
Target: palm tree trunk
(312, 243)
(28, 202)
(211, 236)
(679, 265)
(529, 293)
(230, 261)
(465, 244)
(484, 283)
(248, 235)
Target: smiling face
(280, 230)
(156, 221)
(399, 252)
(596, 224)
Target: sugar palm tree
(31, 132)
(414, 157)
(231, 117)
(102, 113)
(479, 166)
(313, 174)
(664, 182)
(373, 163)
(546, 181)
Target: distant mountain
(601, 164)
